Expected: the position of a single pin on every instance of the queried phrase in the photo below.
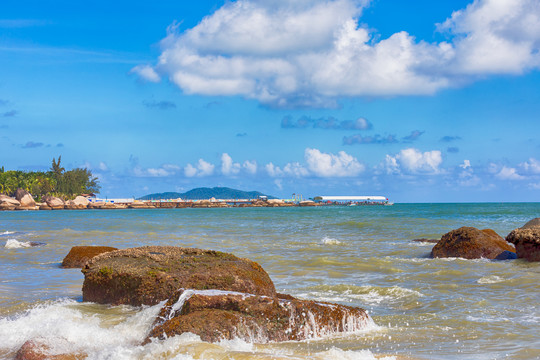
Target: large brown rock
(150, 274)
(216, 315)
(54, 203)
(472, 243)
(527, 240)
(78, 256)
(79, 203)
(25, 198)
(9, 202)
(36, 350)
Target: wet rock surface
(527, 240)
(216, 315)
(150, 274)
(472, 243)
(78, 256)
(36, 350)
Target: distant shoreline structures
(87, 202)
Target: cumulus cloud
(466, 164)
(163, 171)
(147, 73)
(319, 164)
(331, 165)
(231, 168)
(272, 51)
(201, 169)
(325, 123)
(228, 167)
(532, 166)
(413, 161)
(509, 173)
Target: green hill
(207, 193)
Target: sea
(362, 256)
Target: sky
(430, 101)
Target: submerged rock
(472, 243)
(150, 274)
(215, 315)
(527, 240)
(36, 350)
(78, 256)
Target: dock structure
(352, 200)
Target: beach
(362, 256)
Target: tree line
(55, 182)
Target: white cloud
(250, 167)
(147, 73)
(466, 164)
(330, 165)
(307, 53)
(508, 173)
(293, 169)
(228, 167)
(532, 166)
(202, 168)
(413, 161)
(103, 167)
(163, 171)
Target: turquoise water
(360, 256)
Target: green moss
(106, 271)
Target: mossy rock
(150, 274)
(78, 256)
(472, 243)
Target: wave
(7, 233)
(372, 295)
(491, 279)
(64, 326)
(16, 244)
(330, 241)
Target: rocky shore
(24, 201)
(212, 294)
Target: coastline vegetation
(56, 182)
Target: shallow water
(360, 256)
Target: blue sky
(431, 102)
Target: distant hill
(207, 193)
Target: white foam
(7, 233)
(336, 353)
(65, 327)
(15, 244)
(330, 241)
(491, 279)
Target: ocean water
(361, 256)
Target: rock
(527, 240)
(216, 315)
(9, 201)
(25, 198)
(44, 207)
(472, 243)
(150, 274)
(141, 205)
(307, 203)
(36, 350)
(79, 203)
(27, 207)
(54, 203)
(78, 256)
(101, 205)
